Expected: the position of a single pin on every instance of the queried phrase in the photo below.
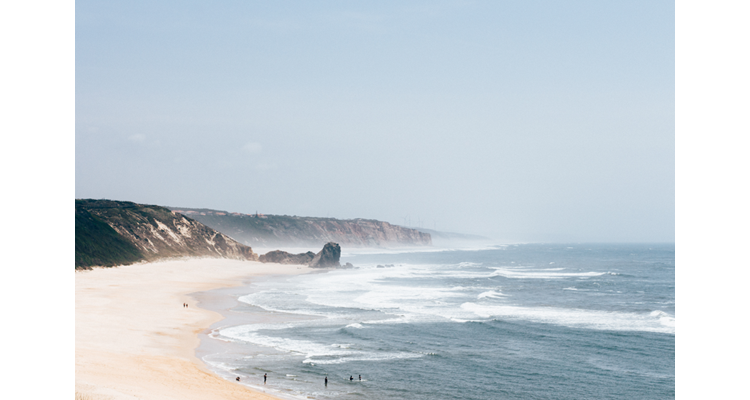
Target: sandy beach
(134, 338)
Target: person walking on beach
(265, 376)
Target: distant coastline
(265, 230)
(111, 233)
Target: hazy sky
(523, 121)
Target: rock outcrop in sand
(120, 232)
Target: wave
(550, 273)
(463, 321)
(469, 264)
(401, 320)
(300, 311)
(368, 357)
(664, 318)
(491, 294)
(656, 321)
(250, 334)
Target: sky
(521, 121)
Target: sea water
(528, 321)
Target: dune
(134, 338)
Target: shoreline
(134, 338)
(211, 349)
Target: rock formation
(282, 257)
(328, 257)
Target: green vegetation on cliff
(112, 233)
(98, 244)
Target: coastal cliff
(283, 230)
(112, 233)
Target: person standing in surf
(326, 381)
(265, 376)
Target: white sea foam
(250, 334)
(528, 273)
(491, 294)
(664, 318)
(578, 318)
(469, 264)
(401, 320)
(462, 321)
(366, 357)
(266, 302)
(395, 296)
(358, 326)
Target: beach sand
(134, 338)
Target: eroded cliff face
(273, 230)
(158, 233)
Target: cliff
(283, 230)
(112, 233)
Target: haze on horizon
(525, 121)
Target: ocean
(526, 321)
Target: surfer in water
(351, 378)
(360, 377)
